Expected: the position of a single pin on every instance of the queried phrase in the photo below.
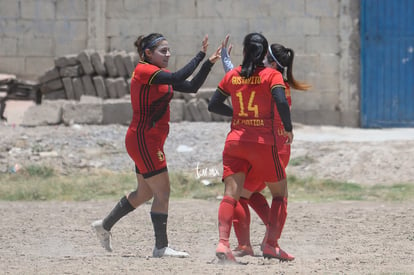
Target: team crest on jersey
(160, 155)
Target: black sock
(159, 221)
(122, 208)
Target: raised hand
(215, 56)
(204, 44)
(224, 44)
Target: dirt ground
(329, 238)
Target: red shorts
(147, 150)
(251, 181)
(260, 161)
(284, 156)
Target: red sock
(225, 218)
(241, 222)
(278, 213)
(259, 204)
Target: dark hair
(284, 59)
(254, 49)
(147, 42)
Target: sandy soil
(327, 238)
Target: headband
(153, 42)
(274, 58)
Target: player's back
(253, 104)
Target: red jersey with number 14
(253, 104)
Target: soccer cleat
(224, 253)
(103, 235)
(168, 252)
(243, 250)
(277, 253)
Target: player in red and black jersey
(279, 58)
(152, 87)
(250, 146)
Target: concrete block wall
(323, 33)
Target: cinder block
(121, 87)
(120, 65)
(205, 93)
(49, 75)
(177, 107)
(82, 113)
(47, 113)
(178, 95)
(193, 109)
(67, 85)
(85, 60)
(52, 85)
(216, 117)
(100, 86)
(203, 109)
(111, 87)
(187, 114)
(129, 64)
(77, 87)
(110, 65)
(53, 95)
(188, 96)
(90, 99)
(88, 85)
(67, 60)
(117, 111)
(98, 63)
(71, 71)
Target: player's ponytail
(254, 49)
(284, 60)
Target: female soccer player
(250, 146)
(281, 59)
(152, 88)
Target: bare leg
(160, 187)
(142, 194)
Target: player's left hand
(215, 56)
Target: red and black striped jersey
(150, 102)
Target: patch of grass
(26, 186)
(312, 189)
(39, 171)
(42, 183)
(301, 160)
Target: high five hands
(216, 55)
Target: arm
(163, 77)
(225, 55)
(225, 59)
(279, 96)
(194, 84)
(216, 104)
(198, 80)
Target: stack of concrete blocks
(89, 73)
(90, 88)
